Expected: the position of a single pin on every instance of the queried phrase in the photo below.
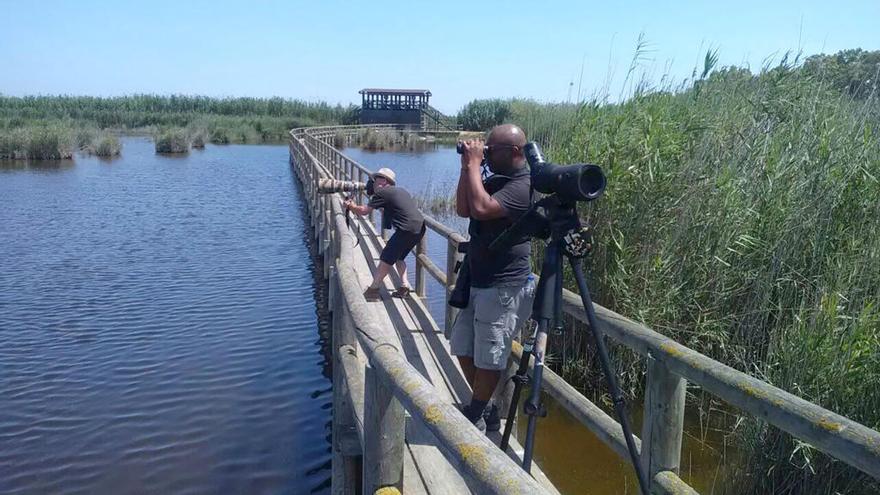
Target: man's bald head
(507, 134)
(506, 143)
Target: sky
(329, 50)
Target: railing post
(421, 248)
(663, 421)
(451, 276)
(384, 423)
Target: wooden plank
(412, 477)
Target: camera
(331, 186)
(571, 183)
(459, 148)
(484, 165)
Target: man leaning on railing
(400, 210)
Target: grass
(385, 139)
(740, 218)
(105, 145)
(37, 143)
(174, 140)
(218, 120)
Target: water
(568, 452)
(158, 327)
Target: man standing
(482, 334)
(401, 211)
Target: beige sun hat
(387, 173)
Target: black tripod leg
(519, 380)
(613, 387)
(532, 407)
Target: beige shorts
(485, 329)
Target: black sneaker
(480, 423)
(491, 418)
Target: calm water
(158, 327)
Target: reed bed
(225, 120)
(740, 218)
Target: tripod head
(550, 218)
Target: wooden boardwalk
(395, 426)
(426, 470)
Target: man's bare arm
(358, 209)
(481, 205)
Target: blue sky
(328, 50)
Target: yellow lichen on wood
(754, 392)
(671, 349)
(433, 415)
(827, 424)
(474, 455)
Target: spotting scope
(578, 182)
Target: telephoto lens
(577, 182)
(330, 186)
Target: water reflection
(47, 166)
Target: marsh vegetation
(740, 218)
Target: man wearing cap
(400, 210)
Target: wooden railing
(669, 364)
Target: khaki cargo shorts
(485, 329)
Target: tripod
(569, 239)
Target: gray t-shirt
(510, 266)
(400, 208)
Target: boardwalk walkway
(413, 328)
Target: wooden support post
(451, 276)
(328, 232)
(345, 475)
(663, 421)
(383, 435)
(421, 248)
